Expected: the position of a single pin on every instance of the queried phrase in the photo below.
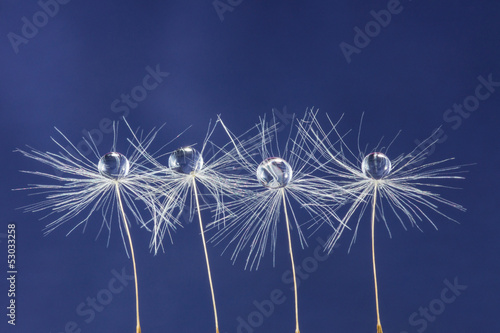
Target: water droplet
(376, 165)
(274, 172)
(185, 160)
(113, 165)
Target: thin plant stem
(293, 264)
(206, 254)
(379, 325)
(138, 328)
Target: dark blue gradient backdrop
(407, 65)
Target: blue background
(262, 55)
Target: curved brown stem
(138, 328)
(293, 264)
(379, 325)
(206, 254)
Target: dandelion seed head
(278, 180)
(113, 165)
(376, 165)
(185, 160)
(274, 172)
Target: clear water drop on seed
(274, 172)
(376, 165)
(113, 165)
(185, 160)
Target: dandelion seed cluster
(249, 186)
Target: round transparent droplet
(113, 165)
(185, 160)
(376, 165)
(274, 172)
